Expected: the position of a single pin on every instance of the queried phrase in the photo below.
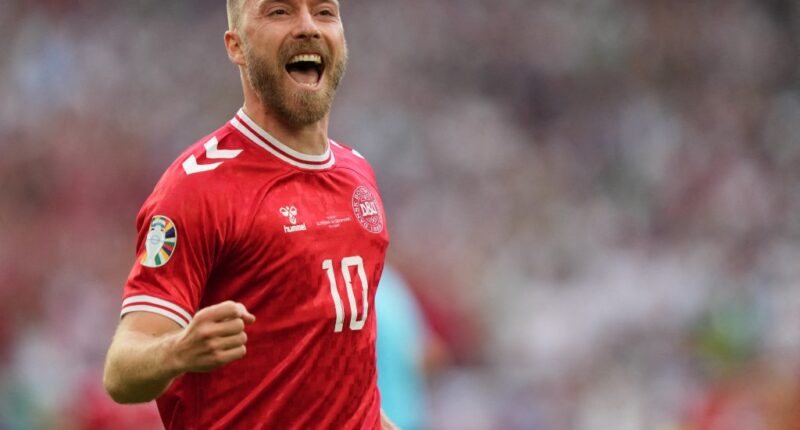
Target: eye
(327, 11)
(278, 12)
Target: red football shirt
(300, 241)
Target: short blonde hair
(234, 13)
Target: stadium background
(596, 202)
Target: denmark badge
(367, 210)
(160, 242)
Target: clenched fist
(214, 338)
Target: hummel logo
(191, 166)
(291, 213)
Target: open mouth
(306, 69)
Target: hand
(214, 338)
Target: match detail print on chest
(307, 217)
(310, 211)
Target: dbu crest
(367, 210)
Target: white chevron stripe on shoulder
(213, 153)
(191, 166)
(358, 154)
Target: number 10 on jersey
(356, 323)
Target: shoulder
(212, 155)
(350, 158)
(212, 164)
(203, 176)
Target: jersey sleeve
(176, 249)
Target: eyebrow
(260, 2)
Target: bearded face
(298, 84)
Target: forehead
(291, 2)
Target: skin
(148, 350)
(267, 34)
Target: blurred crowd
(596, 203)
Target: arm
(149, 351)
(386, 423)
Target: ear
(233, 44)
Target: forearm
(139, 367)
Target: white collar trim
(260, 137)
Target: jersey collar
(260, 137)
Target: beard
(296, 106)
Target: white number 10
(348, 262)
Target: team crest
(367, 210)
(160, 242)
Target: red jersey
(300, 241)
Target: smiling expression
(295, 55)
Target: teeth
(313, 58)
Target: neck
(310, 139)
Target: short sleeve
(176, 250)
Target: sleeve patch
(160, 242)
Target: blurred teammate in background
(251, 304)
(401, 350)
(408, 352)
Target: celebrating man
(250, 304)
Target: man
(251, 301)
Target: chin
(298, 110)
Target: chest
(315, 249)
(317, 213)
(304, 225)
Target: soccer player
(251, 302)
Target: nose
(306, 27)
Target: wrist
(174, 365)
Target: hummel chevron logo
(212, 153)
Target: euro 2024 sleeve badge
(160, 242)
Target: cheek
(261, 45)
(261, 59)
(338, 49)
